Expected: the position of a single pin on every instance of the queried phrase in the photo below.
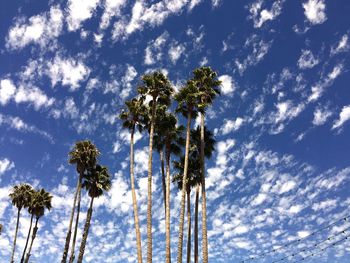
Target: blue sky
(281, 168)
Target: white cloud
(287, 186)
(259, 199)
(314, 11)
(40, 29)
(175, 52)
(344, 116)
(154, 50)
(231, 125)
(7, 90)
(307, 60)
(6, 165)
(68, 71)
(342, 46)
(215, 3)
(260, 16)
(227, 86)
(79, 11)
(321, 116)
(111, 8)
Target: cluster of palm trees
(96, 180)
(151, 110)
(36, 201)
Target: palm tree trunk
(167, 209)
(134, 201)
(86, 232)
(30, 229)
(149, 200)
(72, 253)
(183, 194)
(196, 226)
(188, 226)
(161, 154)
(15, 239)
(204, 200)
(35, 230)
(69, 233)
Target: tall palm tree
(209, 142)
(83, 155)
(208, 86)
(30, 225)
(97, 181)
(169, 136)
(134, 117)
(41, 200)
(158, 87)
(20, 196)
(187, 106)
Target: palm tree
(30, 225)
(158, 87)
(83, 155)
(96, 182)
(207, 84)
(187, 105)
(209, 142)
(20, 197)
(134, 117)
(193, 180)
(41, 200)
(170, 137)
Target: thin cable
(264, 254)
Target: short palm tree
(97, 181)
(41, 200)
(209, 142)
(83, 155)
(208, 86)
(20, 196)
(187, 106)
(134, 117)
(158, 87)
(169, 136)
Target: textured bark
(161, 154)
(35, 230)
(69, 233)
(134, 200)
(25, 247)
(86, 232)
(188, 226)
(196, 225)
(183, 194)
(149, 194)
(204, 200)
(15, 238)
(167, 209)
(72, 253)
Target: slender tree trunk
(86, 232)
(196, 226)
(204, 199)
(167, 209)
(72, 253)
(134, 200)
(161, 154)
(15, 238)
(188, 226)
(149, 201)
(30, 229)
(183, 194)
(69, 233)
(35, 230)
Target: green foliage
(187, 99)
(97, 180)
(135, 114)
(84, 155)
(40, 201)
(21, 195)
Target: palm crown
(84, 155)
(41, 200)
(21, 195)
(97, 181)
(135, 114)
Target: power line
(315, 246)
(266, 253)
